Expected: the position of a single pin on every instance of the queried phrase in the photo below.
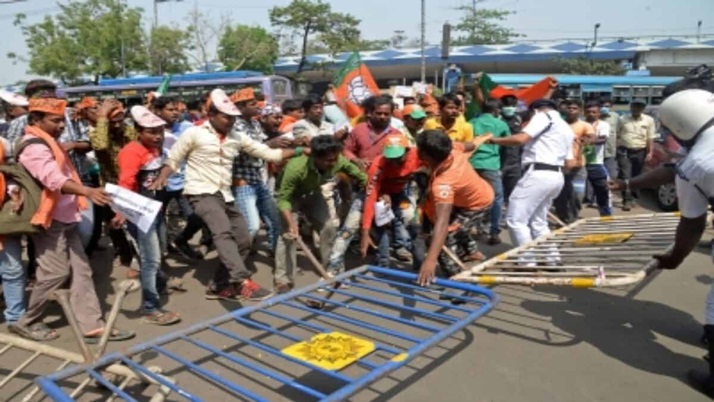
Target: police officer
(547, 143)
(689, 116)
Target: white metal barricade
(595, 252)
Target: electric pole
(423, 41)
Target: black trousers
(630, 162)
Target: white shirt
(602, 131)
(695, 177)
(551, 140)
(306, 128)
(209, 160)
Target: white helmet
(687, 113)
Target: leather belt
(544, 166)
(239, 183)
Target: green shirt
(301, 177)
(488, 156)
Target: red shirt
(387, 178)
(138, 166)
(363, 143)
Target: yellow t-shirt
(460, 131)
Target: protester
(60, 255)
(609, 115)
(414, 120)
(14, 106)
(457, 198)
(567, 204)
(388, 180)
(365, 143)
(209, 151)
(450, 120)
(139, 164)
(547, 142)
(635, 145)
(595, 158)
(510, 156)
(300, 191)
(487, 161)
(292, 113)
(313, 123)
(108, 136)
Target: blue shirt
(177, 180)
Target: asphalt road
(539, 344)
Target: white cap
(687, 113)
(13, 98)
(144, 118)
(223, 103)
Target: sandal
(175, 283)
(116, 336)
(162, 318)
(39, 332)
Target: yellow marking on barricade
(606, 218)
(487, 280)
(400, 357)
(582, 283)
(331, 351)
(502, 256)
(677, 214)
(597, 239)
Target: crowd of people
(424, 184)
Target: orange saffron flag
(353, 84)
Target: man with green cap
(388, 181)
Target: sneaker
(161, 318)
(282, 288)
(477, 256)
(494, 240)
(251, 291)
(403, 255)
(626, 207)
(227, 293)
(186, 250)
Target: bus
(187, 87)
(620, 89)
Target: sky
(537, 19)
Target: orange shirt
(456, 182)
(582, 131)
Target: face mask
(508, 111)
(605, 110)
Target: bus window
(280, 89)
(656, 95)
(621, 95)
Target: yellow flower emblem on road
(332, 351)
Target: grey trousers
(322, 217)
(230, 236)
(61, 258)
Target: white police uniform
(695, 190)
(543, 159)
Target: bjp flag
(353, 84)
(528, 95)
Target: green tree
(248, 48)
(167, 50)
(483, 26)
(317, 26)
(586, 66)
(88, 37)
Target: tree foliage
(586, 66)
(167, 50)
(483, 26)
(248, 48)
(204, 32)
(91, 37)
(317, 27)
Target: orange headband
(87, 102)
(48, 105)
(243, 95)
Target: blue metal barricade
(285, 349)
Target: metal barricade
(596, 252)
(31, 359)
(286, 349)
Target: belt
(239, 183)
(544, 166)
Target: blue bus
(190, 86)
(620, 89)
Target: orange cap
(243, 95)
(48, 105)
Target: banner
(136, 208)
(353, 84)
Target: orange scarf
(48, 200)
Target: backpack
(18, 224)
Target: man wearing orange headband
(59, 252)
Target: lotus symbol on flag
(357, 90)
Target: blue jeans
(597, 177)
(151, 276)
(350, 227)
(493, 177)
(402, 226)
(86, 224)
(256, 202)
(13, 278)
